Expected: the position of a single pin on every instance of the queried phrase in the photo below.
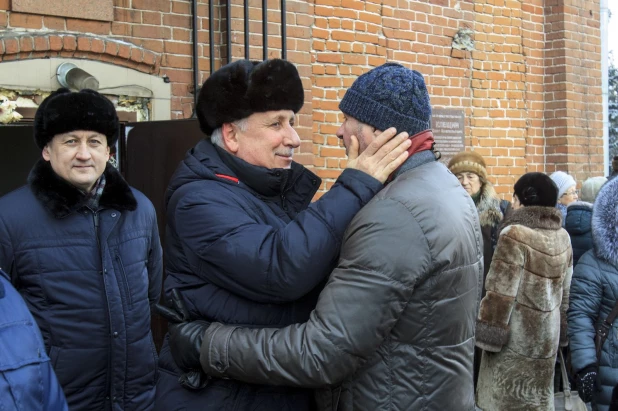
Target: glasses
(571, 193)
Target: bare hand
(382, 157)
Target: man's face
(269, 139)
(79, 157)
(352, 127)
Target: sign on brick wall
(448, 130)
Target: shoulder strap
(602, 330)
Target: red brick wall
(530, 89)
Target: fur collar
(488, 206)
(548, 218)
(605, 223)
(61, 198)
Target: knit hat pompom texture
(468, 161)
(564, 181)
(244, 87)
(536, 189)
(64, 111)
(389, 96)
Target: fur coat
(522, 318)
(491, 211)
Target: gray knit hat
(591, 188)
(563, 181)
(389, 96)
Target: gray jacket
(394, 327)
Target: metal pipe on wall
(211, 35)
(247, 29)
(264, 29)
(195, 54)
(284, 52)
(228, 24)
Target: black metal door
(18, 153)
(149, 155)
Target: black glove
(185, 341)
(586, 383)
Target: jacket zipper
(95, 219)
(125, 280)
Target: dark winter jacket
(594, 293)
(522, 319)
(394, 327)
(89, 278)
(245, 245)
(27, 380)
(578, 224)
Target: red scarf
(420, 142)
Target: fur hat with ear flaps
(244, 87)
(536, 189)
(64, 111)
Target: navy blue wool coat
(245, 245)
(89, 278)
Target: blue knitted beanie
(389, 96)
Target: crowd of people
(409, 285)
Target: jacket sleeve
(564, 305)
(584, 308)
(502, 284)
(361, 303)
(155, 264)
(230, 249)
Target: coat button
(114, 214)
(219, 367)
(115, 334)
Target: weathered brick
(28, 21)
(88, 26)
(83, 43)
(69, 43)
(41, 43)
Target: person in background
(614, 172)
(469, 168)
(578, 221)
(82, 248)
(27, 380)
(567, 191)
(593, 296)
(522, 318)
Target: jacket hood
(578, 219)
(488, 206)
(605, 223)
(548, 218)
(62, 198)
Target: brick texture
(530, 88)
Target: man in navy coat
(245, 244)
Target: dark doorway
(18, 153)
(149, 155)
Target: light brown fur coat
(522, 319)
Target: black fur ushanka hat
(64, 111)
(244, 87)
